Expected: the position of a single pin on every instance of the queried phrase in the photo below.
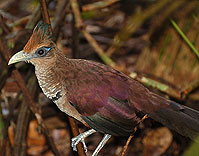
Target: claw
(76, 140)
(84, 144)
(81, 138)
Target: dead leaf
(157, 141)
(11, 135)
(35, 141)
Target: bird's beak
(18, 57)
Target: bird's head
(40, 48)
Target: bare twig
(75, 132)
(80, 25)
(60, 11)
(98, 49)
(75, 40)
(98, 5)
(4, 74)
(20, 145)
(78, 20)
(131, 136)
(126, 145)
(45, 14)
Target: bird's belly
(63, 104)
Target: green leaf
(193, 149)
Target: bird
(102, 98)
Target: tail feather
(182, 119)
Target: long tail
(182, 119)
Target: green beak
(18, 57)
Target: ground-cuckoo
(97, 95)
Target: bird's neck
(49, 79)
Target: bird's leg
(81, 138)
(101, 144)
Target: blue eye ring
(48, 48)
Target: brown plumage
(97, 95)
(41, 36)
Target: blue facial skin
(48, 48)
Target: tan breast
(63, 104)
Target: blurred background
(153, 41)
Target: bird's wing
(100, 95)
(92, 85)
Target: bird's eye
(43, 51)
(40, 52)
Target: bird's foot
(76, 140)
(81, 138)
